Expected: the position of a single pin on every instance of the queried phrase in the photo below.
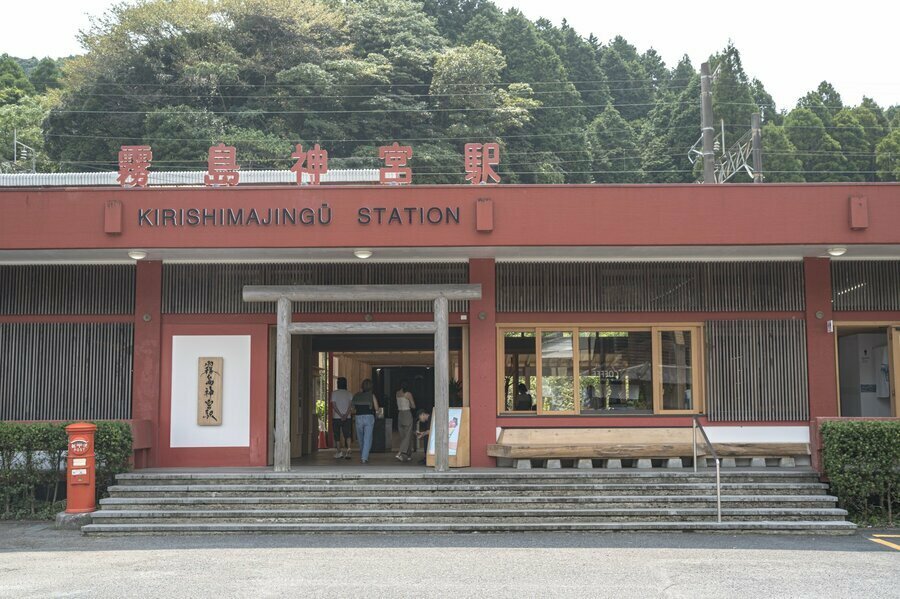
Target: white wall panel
(235, 428)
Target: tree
(631, 87)
(732, 95)
(888, 157)
(25, 118)
(819, 152)
(14, 84)
(46, 75)
(614, 149)
(825, 101)
(848, 132)
(465, 85)
(181, 136)
(780, 163)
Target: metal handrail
(715, 456)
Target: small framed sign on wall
(209, 391)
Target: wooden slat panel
(649, 286)
(756, 370)
(865, 284)
(217, 288)
(67, 289)
(65, 371)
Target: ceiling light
(362, 254)
(837, 251)
(137, 254)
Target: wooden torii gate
(285, 295)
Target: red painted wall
(255, 454)
(145, 385)
(532, 215)
(820, 346)
(482, 364)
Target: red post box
(80, 470)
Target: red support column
(482, 363)
(820, 346)
(145, 385)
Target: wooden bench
(616, 444)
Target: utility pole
(756, 147)
(706, 125)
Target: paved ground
(37, 561)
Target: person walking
(405, 406)
(341, 422)
(365, 405)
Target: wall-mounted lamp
(137, 254)
(837, 251)
(362, 254)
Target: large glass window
(596, 370)
(557, 372)
(615, 372)
(677, 370)
(520, 371)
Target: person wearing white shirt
(341, 422)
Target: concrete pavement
(38, 561)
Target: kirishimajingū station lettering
(276, 217)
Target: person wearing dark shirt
(423, 428)
(365, 405)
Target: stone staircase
(779, 501)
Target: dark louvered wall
(65, 371)
(216, 288)
(756, 370)
(649, 286)
(865, 284)
(67, 289)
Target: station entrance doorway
(318, 361)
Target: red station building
(762, 309)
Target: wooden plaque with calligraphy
(209, 392)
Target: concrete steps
(217, 502)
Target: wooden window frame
(892, 329)
(697, 364)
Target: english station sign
(283, 216)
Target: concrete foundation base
(644, 463)
(523, 464)
(758, 462)
(674, 463)
(614, 464)
(554, 464)
(787, 463)
(728, 463)
(584, 463)
(66, 521)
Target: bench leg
(758, 462)
(554, 464)
(645, 463)
(614, 464)
(585, 463)
(674, 463)
(523, 464)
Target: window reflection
(557, 372)
(520, 371)
(677, 387)
(615, 371)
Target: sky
(790, 45)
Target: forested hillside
(352, 75)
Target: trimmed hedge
(862, 460)
(33, 459)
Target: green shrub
(862, 460)
(32, 464)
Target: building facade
(758, 308)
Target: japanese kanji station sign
(223, 169)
